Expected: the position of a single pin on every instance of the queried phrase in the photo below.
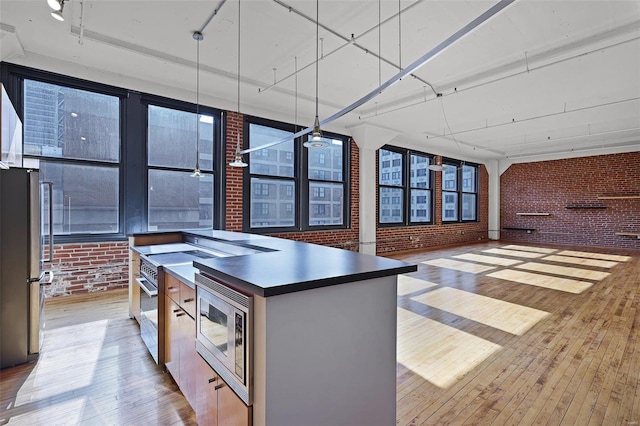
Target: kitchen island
(323, 344)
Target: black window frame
(300, 163)
(459, 190)
(406, 187)
(132, 170)
(218, 153)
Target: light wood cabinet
(216, 403)
(180, 336)
(173, 337)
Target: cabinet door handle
(188, 300)
(221, 385)
(180, 314)
(213, 379)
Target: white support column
(369, 138)
(493, 170)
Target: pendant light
(316, 140)
(198, 37)
(437, 167)
(238, 161)
(57, 6)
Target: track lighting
(198, 37)
(238, 161)
(437, 167)
(316, 140)
(57, 6)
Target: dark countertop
(293, 266)
(275, 266)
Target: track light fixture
(57, 6)
(198, 37)
(238, 161)
(316, 140)
(437, 167)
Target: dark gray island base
(324, 328)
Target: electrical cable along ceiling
(538, 80)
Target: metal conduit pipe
(347, 41)
(214, 13)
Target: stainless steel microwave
(224, 333)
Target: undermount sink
(182, 257)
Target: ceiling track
(421, 61)
(348, 41)
(539, 117)
(515, 65)
(213, 14)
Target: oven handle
(145, 284)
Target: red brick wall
(88, 267)
(393, 239)
(550, 186)
(233, 187)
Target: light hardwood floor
(489, 333)
(547, 337)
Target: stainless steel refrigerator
(21, 264)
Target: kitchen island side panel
(327, 356)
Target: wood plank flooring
(473, 349)
(574, 360)
(94, 370)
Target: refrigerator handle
(50, 186)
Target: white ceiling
(540, 80)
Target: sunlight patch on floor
(506, 316)
(472, 268)
(567, 271)
(408, 285)
(64, 412)
(440, 354)
(528, 248)
(539, 280)
(48, 379)
(581, 261)
(514, 253)
(601, 256)
(492, 260)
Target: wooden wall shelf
(619, 197)
(629, 234)
(510, 228)
(533, 214)
(584, 207)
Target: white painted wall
(326, 356)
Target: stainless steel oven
(148, 283)
(224, 333)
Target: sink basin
(180, 257)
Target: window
(404, 187)
(326, 185)
(75, 135)
(120, 160)
(315, 196)
(469, 192)
(176, 200)
(261, 189)
(459, 193)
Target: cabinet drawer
(188, 299)
(172, 288)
